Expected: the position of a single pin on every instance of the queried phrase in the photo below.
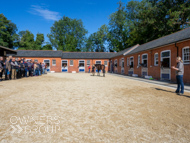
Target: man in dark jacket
(26, 68)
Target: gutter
(177, 48)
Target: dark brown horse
(100, 67)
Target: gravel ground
(61, 107)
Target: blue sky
(38, 16)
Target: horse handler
(179, 75)
(103, 70)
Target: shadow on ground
(170, 92)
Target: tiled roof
(169, 39)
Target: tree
(152, 19)
(26, 41)
(118, 30)
(97, 41)
(39, 41)
(7, 32)
(67, 34)
(48, 46)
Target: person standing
(93, 70)
(26, 68)
(14, 68)
(2, 68)
(8, 67)
(179, 75)
(89, 69)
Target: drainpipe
(177, 48)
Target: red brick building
(154, 58)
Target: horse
(100, 67)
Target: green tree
(26, 41)
(8, 34)
(67, 34)
(97, 41)
(48, 46)
(151, 19)
(39, 41)
(118, 30)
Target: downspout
(177, 48)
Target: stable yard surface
(63, 107)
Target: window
(122, 63)
(145, 60)
(127, 61)
(186, 55)
(139, 60)
(71, 62)
(81, 63)
(64, 64)
(131, 62)
(35, 60)
(165, 59)
(105, 63)
(88, 62)
(115, 63)
(98, 62)
(54, 62)
(156, 59)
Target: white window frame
(122, 63)
(130, 60)
(139, 59)
(35, 60)
(115, 62)
(188, 61)
(106, 64)
(155, 59)
(161, 58)
(52, 62)
(87, 63)
(143, 59)
(70, 63)
(127, 61)
(99, 61)
(49, 63)
(26, 60)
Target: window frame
(161, 58)
(52, 62)
(144, 59)
(106, 64)
(70, 62)
(87, 63)
(187, 47)
(155, 59)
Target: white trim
(52, 62)
(169, 64)
(98, 61)
(49, 63)
(155, 60)
(107, 63)
(62, 66)
(87, 62)
(84, 65)
(142, 58)
(70, 63)
(187, 47)
(138, 60)
(130, 61)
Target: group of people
(15, 68)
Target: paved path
(161, 83)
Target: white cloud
(45, 13)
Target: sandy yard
(71, 108)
